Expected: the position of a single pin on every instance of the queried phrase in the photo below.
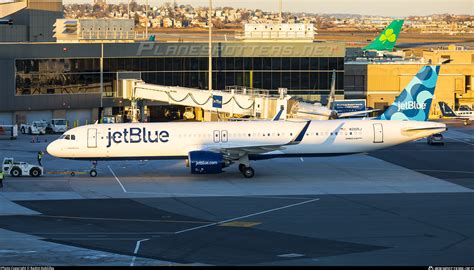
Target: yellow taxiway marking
(243, 224)
(66, 173)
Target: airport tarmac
(406, 205)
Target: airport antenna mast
(280, 8)
(209, 22)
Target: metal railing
(262, 35)
(244, 90)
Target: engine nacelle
(206, 162)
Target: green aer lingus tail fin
(387, 39)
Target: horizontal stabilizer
(358, 113)
(421, 128)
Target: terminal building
(381, 82)
(78, 81)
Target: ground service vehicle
(58, 125)
(188, 113)
(435, 139)
(36, 128)
(16, 169)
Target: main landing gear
(248, 172)
(244, 167)
(93, 171)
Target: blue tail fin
(414, 102)
(446, 110)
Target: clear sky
(400, 8)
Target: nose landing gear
(93, 171)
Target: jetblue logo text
(410, 105)
(137, 135)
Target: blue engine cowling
(205, 162)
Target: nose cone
(53, 149)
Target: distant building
(167, 23)
(101, 3)
(91, 30)
(278, 32)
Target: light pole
(209, 22)
(146, 21)
(101, 80)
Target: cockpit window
(68, 137)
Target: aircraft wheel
(93, 173)
(241, 168)
(248, 172)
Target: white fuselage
(176, 139)
(465, 114)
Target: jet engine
(206, 162)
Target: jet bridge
(235, 100)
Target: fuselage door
(92, 138)
(378, 133)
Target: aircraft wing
(236, 151)
(348, 114)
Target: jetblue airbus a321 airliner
(209, 147)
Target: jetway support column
(207, 116)
(141, 105)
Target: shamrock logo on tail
(388, 35)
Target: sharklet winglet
(300, 136)
(278, 115)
